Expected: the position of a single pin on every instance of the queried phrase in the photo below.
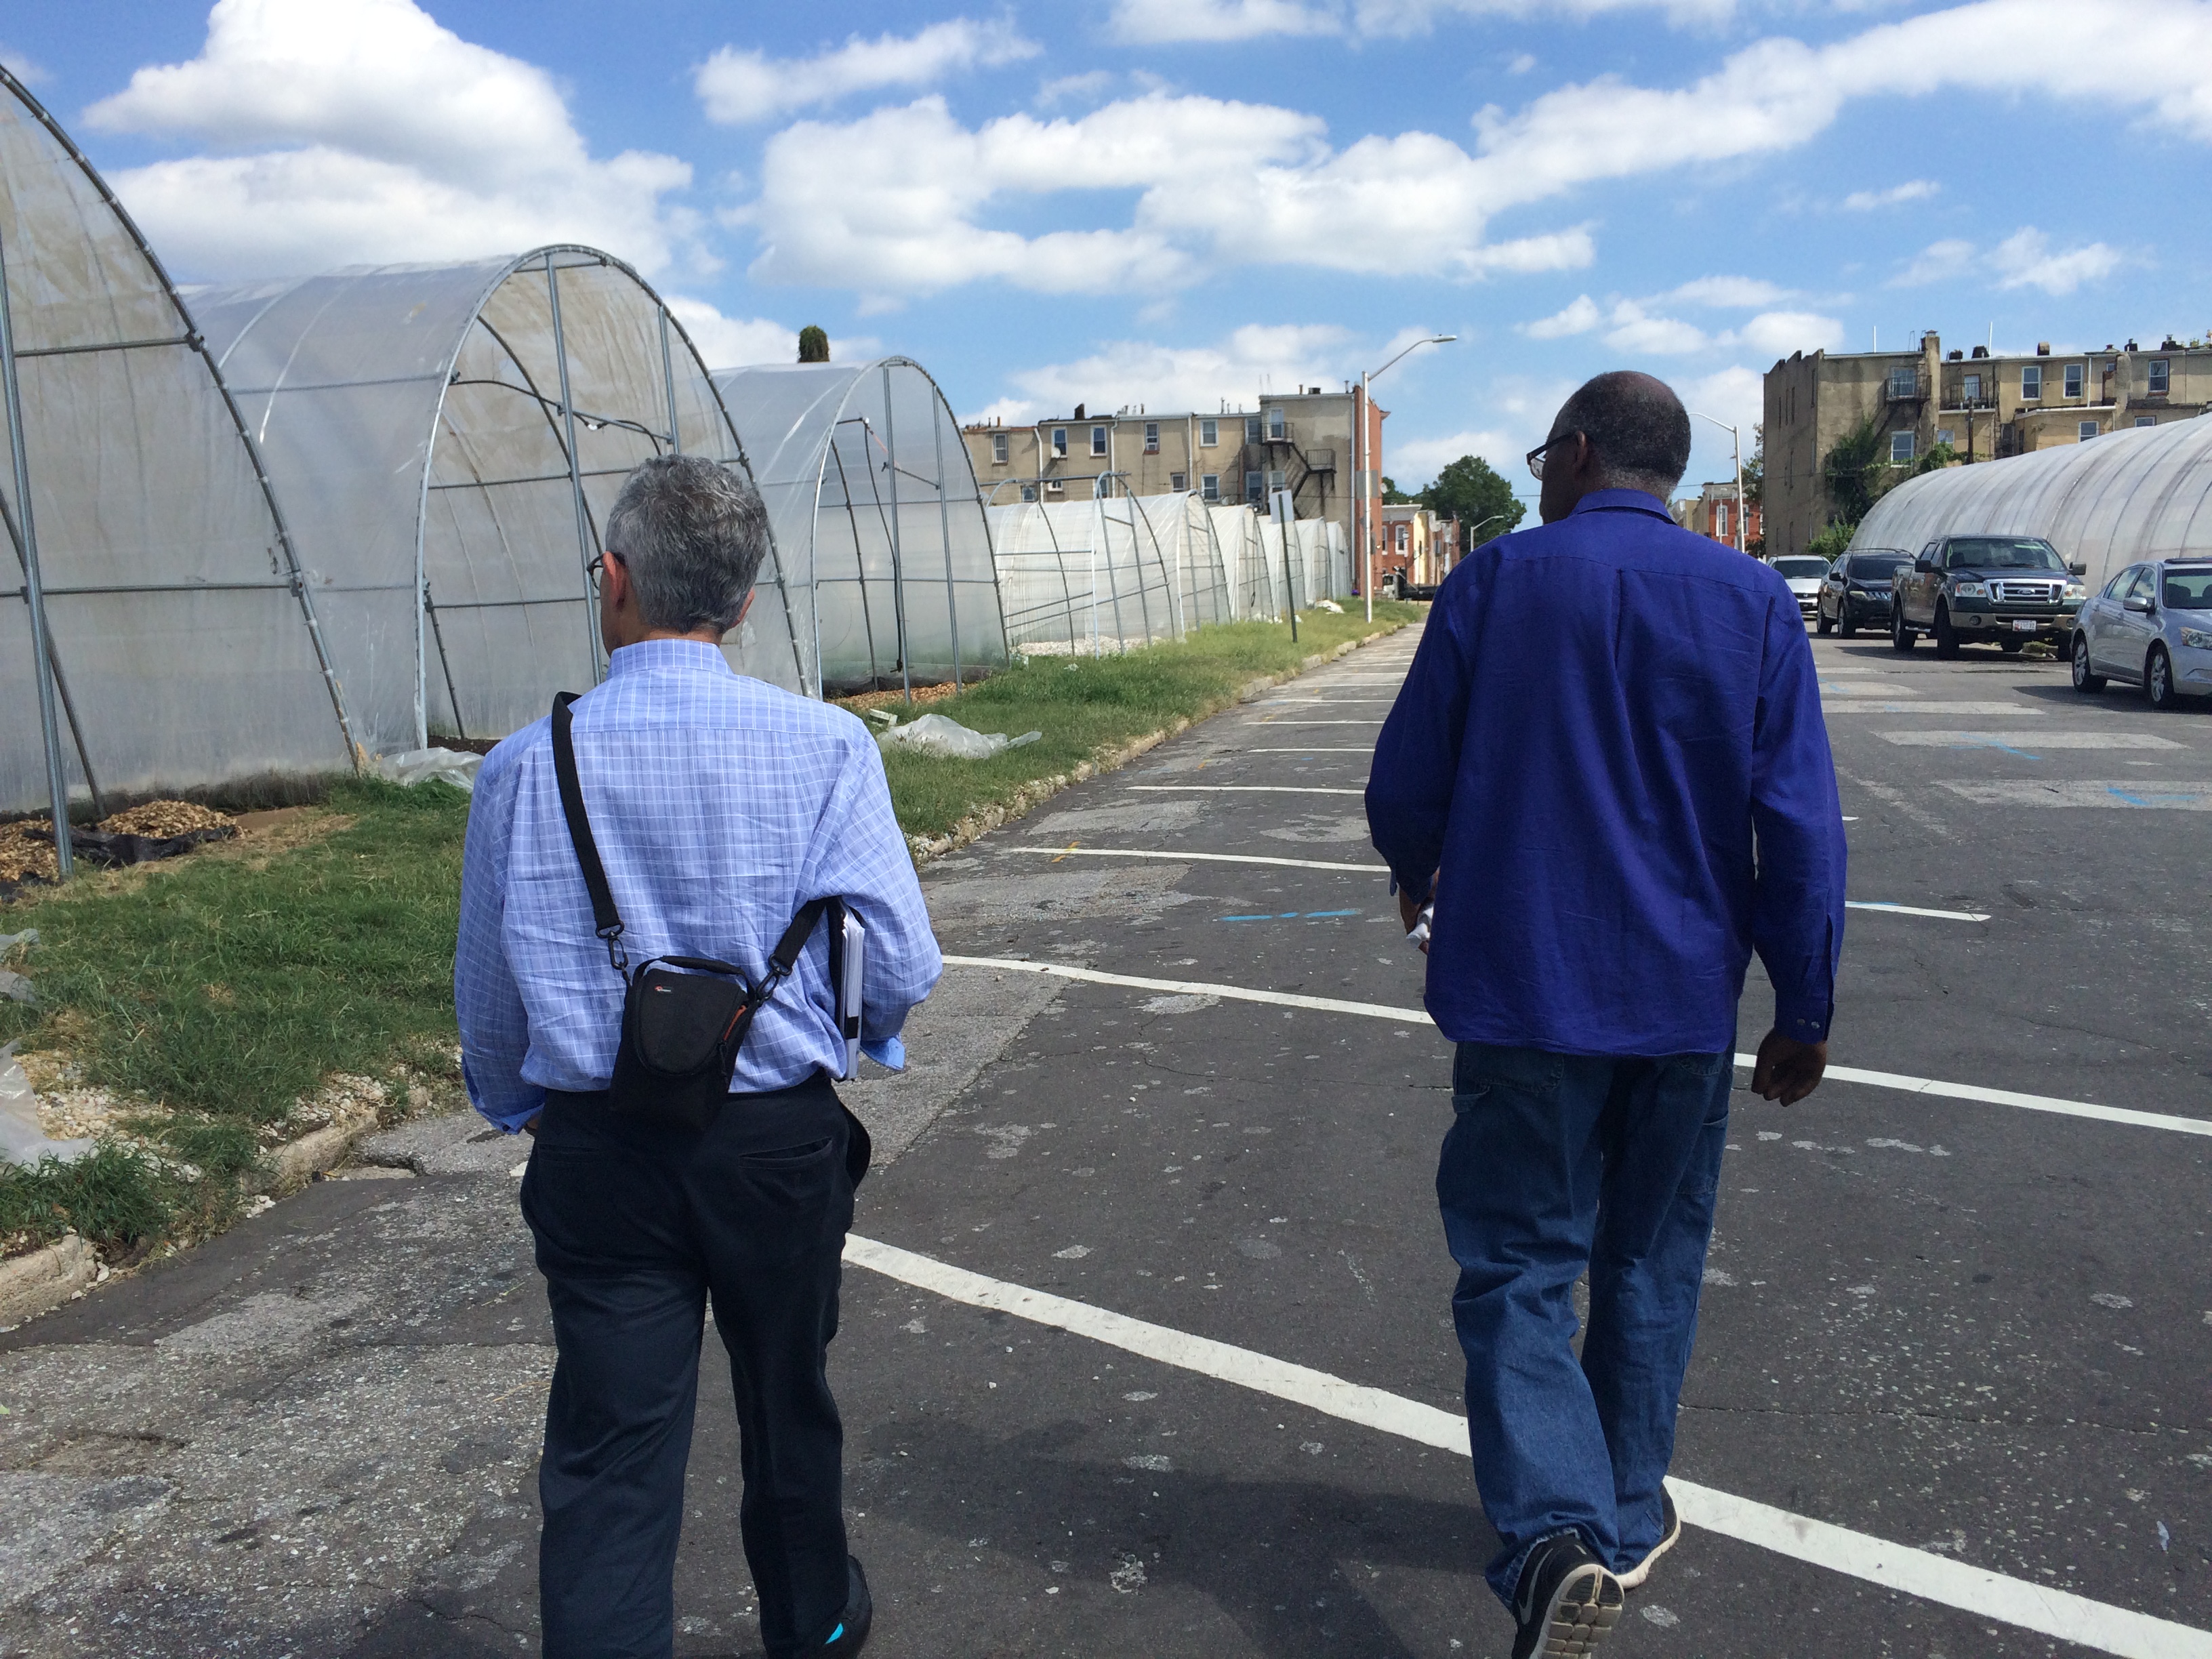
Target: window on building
(2074, 378)
(1177, 482)
(1098, 441)
(1402, 539)
(1252, 491)
(1900, 447)
(999, 448)
(1903, 381)
(1209, 434)
(1276, 429)
(2086, 430)
(1944, 434)
(1274, 480)
(1060, 441)
(1973, 389)
(1720, 519)
(1152, 437)
(2031, 381)
(1209, 486)
(1252, 428)
(1029, 492)
(2162, 373)
(2146, 419)
(1102, 485)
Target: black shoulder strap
(604, 917)
(802, 929)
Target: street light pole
(1362, 514)
(1738, 438)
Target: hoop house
(2140, 494)
(876, 513)
(1184, 530)
(445, 441)
(1084, 576)
(1252, 581)
(182, 646)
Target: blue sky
(1179, 201)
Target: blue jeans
(1555, 1164)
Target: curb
(296, 1163)
(36, 1283)
(1035, 794)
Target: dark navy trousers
(638, 1226)
(1556, 1164)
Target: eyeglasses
(1536, 455)
(598, 566)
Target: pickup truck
(2004, 590)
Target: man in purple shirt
(1608, 770)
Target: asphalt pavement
(1148, 1347)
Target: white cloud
(1778, 333)
(1728, 293)
(733, 341)
(1939, 262)
(1178, 377)
(1075, 88)
(1912, 190)
(1157, 22)
(398, 141)
(893, 202)
(735, 87)
(1580, 315)
(24, 67)
(1636, 330)
(2024, 259)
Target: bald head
(1638, 431)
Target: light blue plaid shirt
(720, 805)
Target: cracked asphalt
(1972, 1328)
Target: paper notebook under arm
(848, 972)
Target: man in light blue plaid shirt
(720, 805)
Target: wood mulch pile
(27, 846)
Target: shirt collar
(1617, 501)
(647, 655)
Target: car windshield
(2001, 553)
(1873, 567)
(2188, 590)
(1807, 566)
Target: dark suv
(1857, 592)
(2007, 590)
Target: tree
(1755, 469)
(1392, 495)
(1471, 490)
(813, 345)
(1848, 471)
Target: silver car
(1804, 572)
(2151, 626)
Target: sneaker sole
(1582, 1612)
(1634, 1578)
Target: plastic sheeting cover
(179, 640)
(876, 514)
(1087, 576)
(424, 402)
(2144, 493)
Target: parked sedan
(1804, 572)
(1856, 593)
(2151, 626)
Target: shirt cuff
(1806, 1022)
(890, 1053)
(526, 1099)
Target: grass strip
(1085, 705)
(229, 985)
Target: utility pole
(1738, 438)
(1364, 462)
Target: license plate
(2023, 626)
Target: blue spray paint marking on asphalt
(1292, 916)
(2006, 747)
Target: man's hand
(1409, 908)
(531, 1127)
(1788, 1070)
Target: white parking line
(1269, 719)
(1915, 1085)
(2156, 793)
(1931, 1578)
(1913, 910)
(1309, 749)
(1939, 710)
(1869, 689)
(2039, 740)
(1203, 858)
(1243, 789)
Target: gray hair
(692, 533)
(1637, 425)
